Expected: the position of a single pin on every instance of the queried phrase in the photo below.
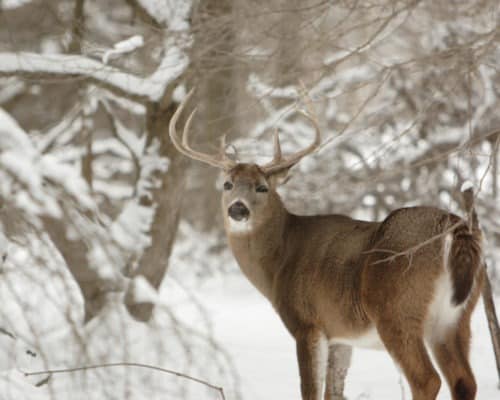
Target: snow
(264, 352)
(130, 229)
(10, 89)
(260, 89)
(123, 47)
(173, 13)
(150, 164)
(15, 386)
(126, 104)
(172, 65)
(12, 136)
(179, 93)
(4, 246)
(21, 163)
(12, 4)
(50, 318)
(142, 291)
(133, 141)
(466, 186)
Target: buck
(407, 284)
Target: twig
(128, 364)
(6, 332)
(410, 251)
(115, 132)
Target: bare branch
(151, 88)
(115, 132)
(6, 332)
(129, 364)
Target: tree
(105, 92)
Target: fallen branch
(128, 364)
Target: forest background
(112, 241)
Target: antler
(279, 163)
(221, 161)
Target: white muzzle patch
(242, 226)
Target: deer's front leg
(312, 354)
(339, 361)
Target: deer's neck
(259, 250)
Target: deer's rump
(421, 265)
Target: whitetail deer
(406, 284)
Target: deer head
(249, 199)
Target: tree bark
(213, 73)
(168, 199)
(74, 253)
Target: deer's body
(402, 284)
(322, 267)
(332, 281)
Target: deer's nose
(238, 211)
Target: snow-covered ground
(264, 352)
(242, 322)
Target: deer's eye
(261, 189)
(228, 185)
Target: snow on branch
(12, 4)
(123, 47)
(174, 14)
(29, 178)
(42, 66)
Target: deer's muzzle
(238, 211)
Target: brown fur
(331, 277)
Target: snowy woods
(112, 248)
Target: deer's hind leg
(408, 350)
(452, 357)
(450, 350)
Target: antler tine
(183, 146)
(223, 144)
(277, 146)
(279, 163)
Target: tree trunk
(74, 253)
(214, 76)
(168, 199)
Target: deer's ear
(279, 178)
